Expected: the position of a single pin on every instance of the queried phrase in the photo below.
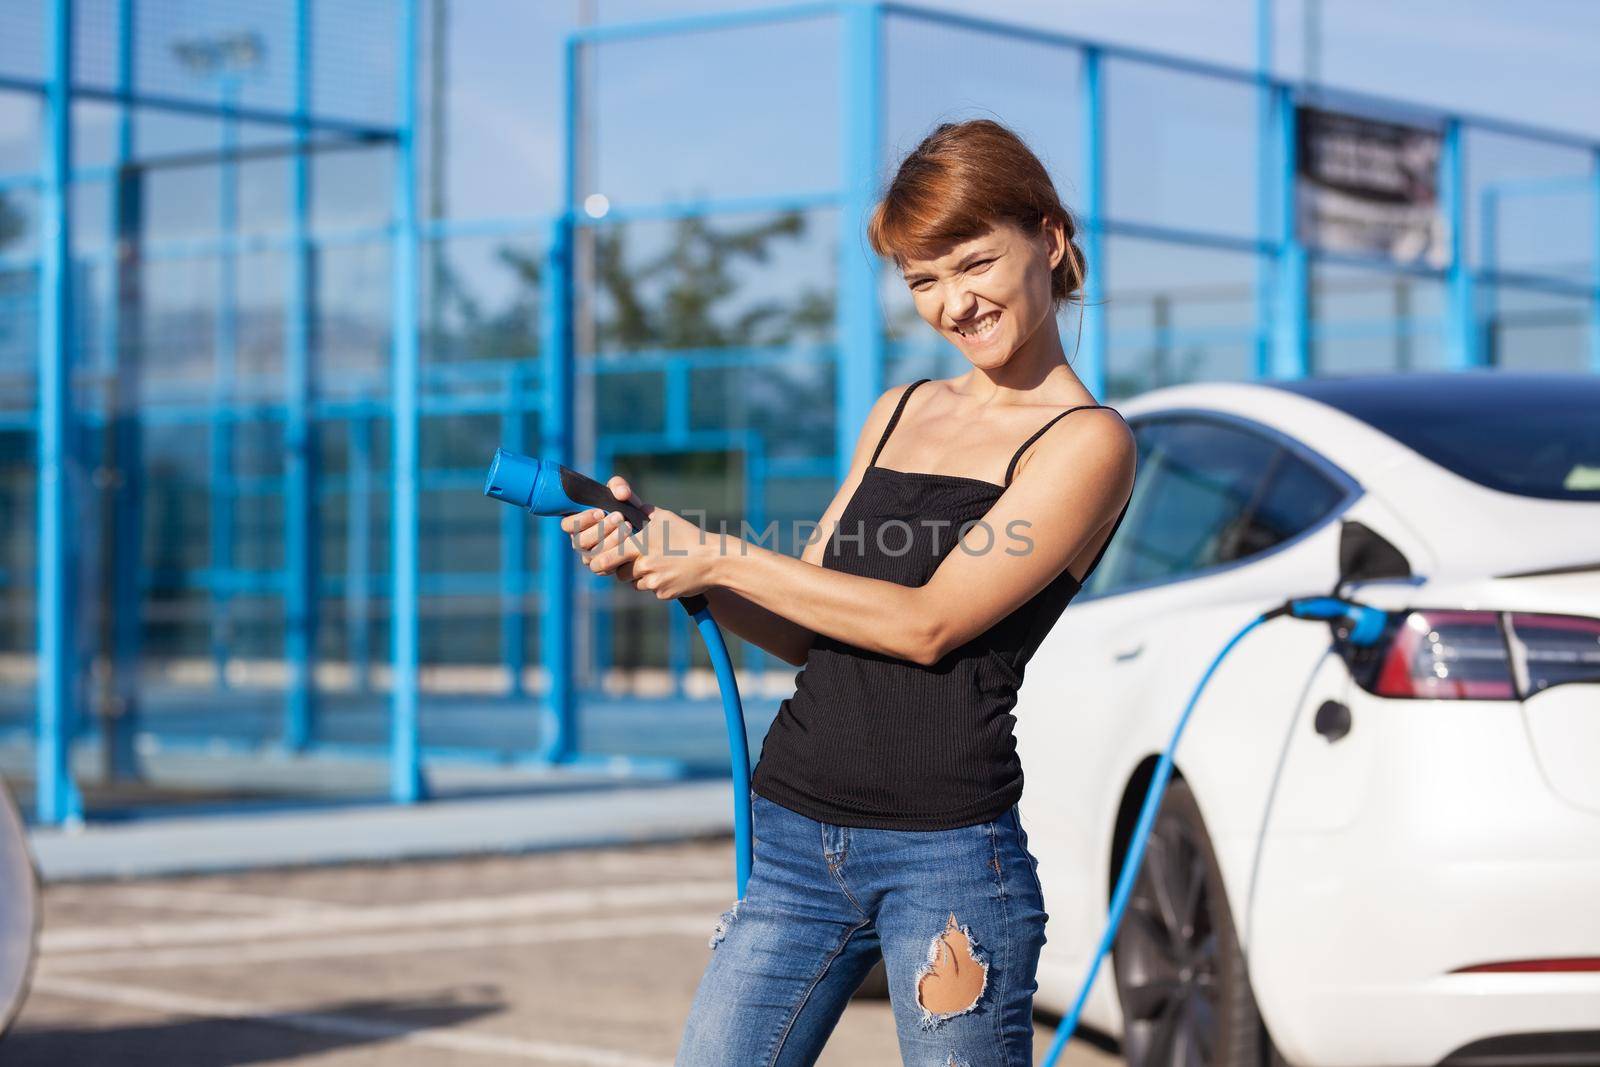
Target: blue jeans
(957, 915)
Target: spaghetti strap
(1010, 467)
(898, 408)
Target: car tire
(1180, 973)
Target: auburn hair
(961, 180)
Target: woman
(885, 799)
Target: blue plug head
(534, 484)
(513, 478)
(1366, 623)
(545, 487)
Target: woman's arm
(766, 629)
(790, 641)
(1075, 485)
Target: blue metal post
(1093, 363)
(558, 726)
(604, 603)
(756, 658)
(358, 550)
(1489, 226)
(558, 716)
(225, 339)
(859, 316)
(513, 545)
(127, 489)
(1291, 354)
(300, 521)
(406, 785)
(1268, 187)
(1461, 350)
(679, 656)
(57, 797)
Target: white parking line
(233, 955)
(342, 1025)
(226, 903)
(421, 914)
(636, 864)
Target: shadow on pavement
(270, 1037)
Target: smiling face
(988, 295)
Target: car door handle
(1129, 653)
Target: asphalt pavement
(587, 957)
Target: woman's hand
(670, 557)
(589, 529)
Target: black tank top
(873, 740)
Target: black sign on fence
(1369, 187)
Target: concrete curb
(381, 833)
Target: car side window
(1208, 493)
(1127, 554)
(1295, 498)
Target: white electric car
(1385, 856)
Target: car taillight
(1447, 655)
(1451, 654)
(1547, 650)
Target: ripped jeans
(957, 916)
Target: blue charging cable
(547, 488)
(1366, 625)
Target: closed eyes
(977, 268)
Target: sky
(1529, 62)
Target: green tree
(697, 276)
(683, 297)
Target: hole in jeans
(724, 922)
(952, 979)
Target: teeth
(982, 327)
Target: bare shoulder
(1090, 444)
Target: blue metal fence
(299, 408)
